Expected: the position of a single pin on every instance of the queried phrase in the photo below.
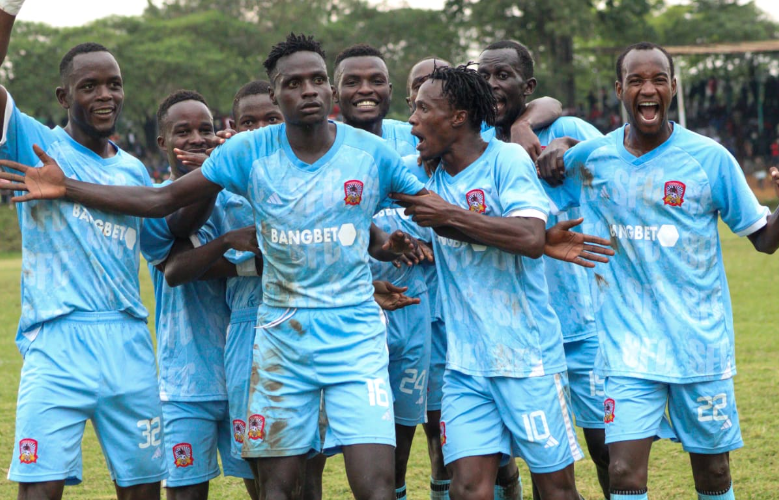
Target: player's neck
(372, 127)
(639, 144)
(503, 131)
(462, 153)
(311, 142)
(101, 146)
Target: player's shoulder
(703, 149)
(370, 144)
(257, 143)
(395, 128)
(572, 126)
(506, 153)
(604, 146)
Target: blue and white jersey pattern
(398, 136)
(191, 321)
(666, 312)
(313, 220)
(73, 258)
(496, 304)
(569, 285)
(231, 212)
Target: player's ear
(231, 123)
(161, 142)
(673, 86)
(618, 89)
(390, 87)
(408, 102)
(62, 97)
(459, 118)
(530, 86)
(272, 95)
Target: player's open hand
(416, 253)
(775, 179)
(580, 249)
(41, 183)
(390, 297)
(550, 165)
(522, 134)
(427, 210)
(243, 240)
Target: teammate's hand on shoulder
(580, 249)
(243, 240)
(390, 297)
(46, 182)
(522, 134)
(427, 210)
(550, 165)
(775, 179)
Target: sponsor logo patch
(239, 430)
(608, 410)
(28, 451)
(674, 193)
(256, 427)
(353, 192)
(475, 199)
(182, 455)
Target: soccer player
(82, 332)
(665, 323)
(314, 186)
(508, 68)
(253, 108)
(504, 386)
(191, 322)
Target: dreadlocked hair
(293, 43)
(465, 89)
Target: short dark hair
(256, 87)
(176, 97)
(465, 89)
(66, 64)
(523, 53)
(293, 43)
(642, 46)
(358, 50)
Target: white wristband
(11, 7)
(247, 268)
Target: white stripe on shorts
(284, 317)
(576, 451)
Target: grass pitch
(753, 280)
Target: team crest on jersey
(674, 193)
(608, 411)
(239, 429)
(28, 451)
(353, 191)
(475, 199)
(256, 427)
(442, 424)
(182, 455)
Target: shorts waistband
(97, 317)
(243, 315)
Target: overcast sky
(77, 12)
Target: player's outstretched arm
(766, 240)
(187, 263)
(539, 113)
(8, 11)
(550, 165)
(48, 182)
(580, 249)
(517, 235)
(390, 297)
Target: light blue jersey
(73, 258)
(313, 220)
(232, 212)
(569, 285)
(398, 136)
(666, 312)
(191, 321)
(498, 320)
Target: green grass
(753, 278)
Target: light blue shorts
(408, 339)
(585, 385)
(238, 371)
(524, 417)
(194, 431)
(89, 366)
(435, 377)
(300, 352)
(703, 415)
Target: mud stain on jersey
(586, 176)
(295, 324)
(601, 281)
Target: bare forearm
(222, 268)
(378, 238)
(190, 264)
(6, 26)
(542, 112)
(517, 235)
(767, 239)
(188, 220)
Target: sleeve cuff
(9, 110)
(530, 213)
(247, 268)
(758, 225)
